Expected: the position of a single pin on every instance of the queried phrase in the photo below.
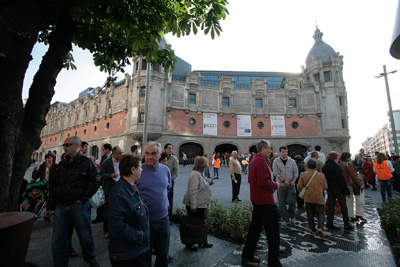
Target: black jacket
(72, 181)
(106, 169)
(334, 177)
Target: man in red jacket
(264, 209)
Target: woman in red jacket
(368, 171)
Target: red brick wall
(178, 120)
(116, 126)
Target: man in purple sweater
(154, 185)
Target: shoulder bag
(303, 190)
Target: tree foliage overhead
(115, 30)
(112, 30)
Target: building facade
(200, 112)
(383, 140)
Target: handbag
(356, 189)
(338, 209)
(192, 231)
(303, 190)
(98, 199)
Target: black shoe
(71, 253)
(206, 245)
(192, 248)
(353, 219)
(348, 227)
(361, 218)
(251, 260)
(332, 227)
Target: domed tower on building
(324, 71)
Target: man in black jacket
(337, 189)
(75, 181)
(109, 171)
(100, 210)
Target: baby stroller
(39, 188)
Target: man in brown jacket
(351, 177)
(314, 196)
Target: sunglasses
(67, 144)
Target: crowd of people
(139, 196)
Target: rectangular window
(144, 65)
(316, 78)
(192, 98)
(142, 92)
(341, 101)
(343, 124)
(225, 101)
(141, 117)
(258, 103)
(327, 76)
(292, 102)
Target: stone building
(200, 112)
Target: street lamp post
(384, 74)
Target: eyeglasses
(67, 144)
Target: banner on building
(243, 125)
(210, 123)
(278, 126)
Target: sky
(276, 36)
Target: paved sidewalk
(367, 245)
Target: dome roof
(320, 49)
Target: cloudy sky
(261, 35)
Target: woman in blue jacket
(128, 218)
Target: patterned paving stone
(367, 245)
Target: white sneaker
(284, 224)
(293, 221)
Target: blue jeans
(78, 215)
(207, 173)
(35, 209)
(159, 240)
(287, 194)
(245, 168)
(386, 186)
(216, 172)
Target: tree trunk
(38, 104)
(20, 22)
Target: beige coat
(315, 191)
(198, 193)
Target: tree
(112, 30)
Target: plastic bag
(98, 199)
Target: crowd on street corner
(139, 196)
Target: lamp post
(384, 74)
